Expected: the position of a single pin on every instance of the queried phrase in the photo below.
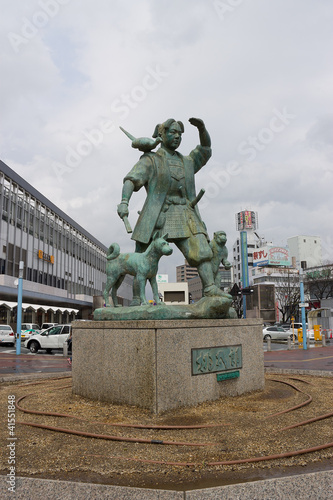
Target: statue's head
(220, 237)
(170, 132)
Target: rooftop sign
(271, 256)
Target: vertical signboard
(246, 220)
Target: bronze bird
(144, 144)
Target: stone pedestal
(164, 364)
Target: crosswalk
(26, 351)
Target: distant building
(195, 284)
(64, 265)
(195, 289)
(318, 282)
(253, 243)
(276, 275)
(261, 303)
(173, 293)
(185, 272)
(305, 251)
(247, 225)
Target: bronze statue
(220, 255)
(171, 203)
(143, 266)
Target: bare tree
(318, 282)
(287, 293)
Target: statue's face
(221, 237)
(172, 137)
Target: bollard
(289, 344)
(323, 340)
(268, 344)
(65, 349)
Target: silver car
(277, 333)
(7, 336)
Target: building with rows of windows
(64, 265)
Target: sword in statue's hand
(127, 224)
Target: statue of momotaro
(171, 203)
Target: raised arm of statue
(203, 134)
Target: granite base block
(149, 363)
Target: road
(275, 346)
(12, 350)
(28, 363)
(11, 365)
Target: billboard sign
(246, 220)
(162, 278)
(271, 256)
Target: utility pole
(302, 305)
(245, 266)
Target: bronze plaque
(216, 359)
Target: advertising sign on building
(162, 278)
(271, 256)
(246, 220)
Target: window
(174, 296)
(55, 330)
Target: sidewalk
(319, 359)
(12, 365)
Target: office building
(64, 265)
(185, 272)
(305, 251)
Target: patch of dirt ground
(245, 427)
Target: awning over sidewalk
(36, 307)
(314, 312)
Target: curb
(315, 373)
(317, 485)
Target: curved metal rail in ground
(153, 441)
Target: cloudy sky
(257, 72)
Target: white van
(27, 329)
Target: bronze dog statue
(143, 266)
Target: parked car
(52, 338)
(45, 326)
(285, 326)
(7, 335)
(27, 329)
(276, 333)
(299, 325)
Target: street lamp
(19, 308)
